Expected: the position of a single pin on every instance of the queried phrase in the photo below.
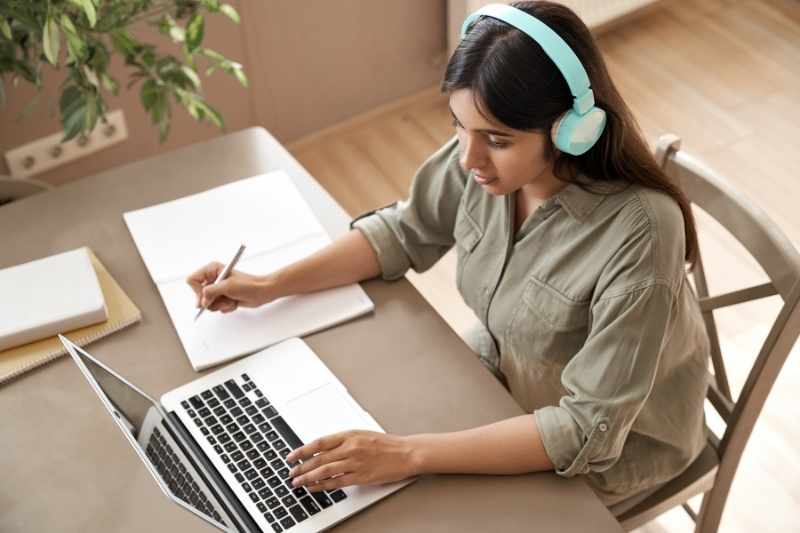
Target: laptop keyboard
(252, 439)
(175, 475)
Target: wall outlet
(48, 152)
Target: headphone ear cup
(575, 134)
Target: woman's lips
(483, 180)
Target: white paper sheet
(268, 215)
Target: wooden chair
(712, 472)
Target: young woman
(572, 247)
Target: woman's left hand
(352, 458)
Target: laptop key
(259, 483)
(280, 445)
(284, 452)
(276, 527)
(217, 429)
(277, 464)
(229, 447)
(218, 449)
(251, 474)
(206, 394)
(234, 388)
(287, 522)
(254, 497)
(273, 503)
(280, 512)
(239, 477)
(309, 505)
(246, 445)
(287, 433)
(281, 491)
(300, 492)
(235, 411)
(269, 454)
(269, 517)
(269, 411)
(265, 493)
(338, 495)
(257, 418)
(322, 499)
(257, 437)
(261, 402)
(283, 473)
(298, 513)
(242, 420)
(251, 410)
(237, 456)
(258, 462)
(221, 393)
(272, 436)
(213, 402)
(196, 402)
(225, 458)
(243, 465)
(230, 403)
(244, 402)
(253, 454)
(239, 436)
(247, 487)
(245, 377)
(273, 482)
(261, 507)
(249, 429)
(219, 411)
(266, 472)
(224, 438)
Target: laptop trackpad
(323, 411)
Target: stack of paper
(268, 215)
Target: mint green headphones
(579, 128)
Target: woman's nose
(471, 154)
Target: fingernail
(295, 482)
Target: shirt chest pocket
(467, 235)
(546, 326)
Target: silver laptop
(217, 445)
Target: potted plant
(83, 35)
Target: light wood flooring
(725, 76)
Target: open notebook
(266, 213)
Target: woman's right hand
(238, 289)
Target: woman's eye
(455, 123)
(496, 144)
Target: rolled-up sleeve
(608, 380)
(418, 232)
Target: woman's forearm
(348, 259)
(512, 446)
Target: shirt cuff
(564, 440)
(392, 258)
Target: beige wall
(311, 64)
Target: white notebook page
(268, 215)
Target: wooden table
(66, 468)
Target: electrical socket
(49, 152)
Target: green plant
(82, 35)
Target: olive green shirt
(594, 326)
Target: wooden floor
(725, 76)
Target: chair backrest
(781, 262)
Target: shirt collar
(579, 202)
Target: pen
(222, 275)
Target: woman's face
(502, 160)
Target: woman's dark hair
(516, 83)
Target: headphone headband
(553, 45)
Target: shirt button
(603, 427)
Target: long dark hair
(514, 81)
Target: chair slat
(720, 375)
(723, 405)
(736, 297)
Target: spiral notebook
(268, 215)
(122, 312)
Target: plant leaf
(51, 40)
(88, 8)
(177, 33)
(194, 32)
(211, 5)
(72, 106)
(75, 45)
(149, 94)
(5, 27)
(239, 73)
(192, 75)
(230, 12)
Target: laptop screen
(147, 432)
